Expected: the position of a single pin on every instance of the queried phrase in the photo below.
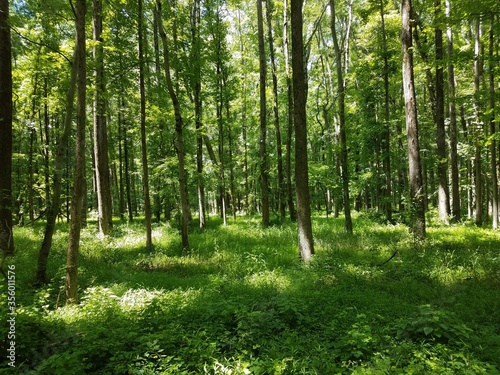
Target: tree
(6, 236)
(279, 150)
(386, 138)
(304, 226)
(341, 87)
(53, 205)
(415, 168)
(452, 108)
(493, 145)
(264, 178)
(103, 184)
(77, 197)
(478, 127)
(290, 126)
(442, 162)
(142, 90)
(196, 85)
(179, 140)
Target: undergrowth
(241, 302)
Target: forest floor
(241, 302)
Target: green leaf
(427, 330)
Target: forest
(249, 187)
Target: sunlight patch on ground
(138, 299)
(269, 279)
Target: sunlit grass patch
(241, 301)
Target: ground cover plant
(242, 302)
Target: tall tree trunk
(196, 83)
(126, 157)
(179, 142)
(442, 157)
(341, 86)
(416, 186)
(103, 185)
(304, 225)
(279, 151)
(46, 140)
(220, 125)
(120, 161)
(32, 139)
(465, 123)
(264, 178)
(478, 73)
(289, 133)
(6, 237)
(493, 146)
(231, 163)
(79, 173)
(244, 118)
(142, 89)
(53, 207)
(386, 137)
(452, 107)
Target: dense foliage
(243, 303)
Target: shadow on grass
(242, 297)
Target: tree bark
(442, 157)
(493, 145)
(196, 84)
(264, 178)
(452, 107)
(386, 136)
(54, 203)
(290, 126)
(415, 169)
(6, 236)
(304, 225)
(79, 172)
(103, 185)
(341, 86)
(279, 150)
(142, 89)
(478, 73)
(179, 142)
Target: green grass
(241, 302)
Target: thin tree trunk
(46, 141)
(416, 186)
(493, 146)
(103, 185)
(6, 236)
(455, 188)
(231, 164)
(79, 172)
(386, 137)
(478, 72)
(304, 225)
(142, 89)
(290, 126)
(279, 151)
(442, 157)
(179, 142)
(120, 160)
(465, 125)
(53, 207)
(126, 157)
(341, 86)
(264, 179)
(196, 83)
(220, 125)
(32, 132)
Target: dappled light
(242, 303)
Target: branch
(41, 45)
